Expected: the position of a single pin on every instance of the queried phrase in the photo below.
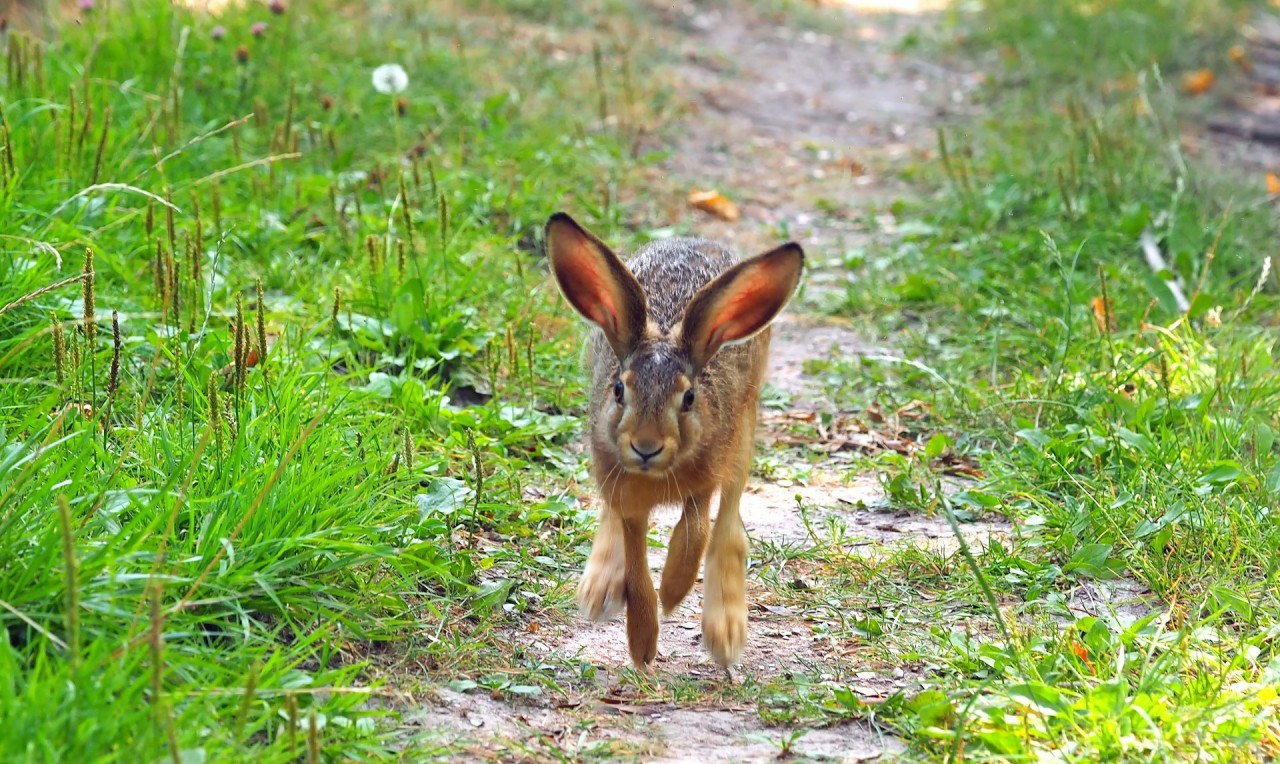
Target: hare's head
(655, 413)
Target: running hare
(676, 368)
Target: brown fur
(690, 296)
(25, 15)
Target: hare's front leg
(724, 604)
(642, 600)
(601, 590)
(684, 553)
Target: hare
(676, 362)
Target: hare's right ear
(740, 302)
(596, 283)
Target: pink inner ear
(743, 313)
(587, 288)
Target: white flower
(390, 79)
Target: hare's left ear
(596, 283)
(740, 302)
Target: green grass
(196, 561)
(1142, 450)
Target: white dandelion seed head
(390, 79)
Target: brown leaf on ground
(954, 464)
(1197, 82)
(715, 203)
(1104, 316)
(916, 409)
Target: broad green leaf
(1041, 697)
(1037, 439)
(444, 496)
(1091, 560)
(525, 689)
(1002, 742)
(1221, 473)
(491, 594)
(932, 709)
(976, 499)
(936, 445)
(868, 627)
(1273, 479)
(1232, 601)
(1135, 439)
(1201, 304)
(1263, 439)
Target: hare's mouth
(646, 467)
(647, 459)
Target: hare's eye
(618, 390)
(688, 399)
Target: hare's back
(673, 270)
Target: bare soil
(660, 733)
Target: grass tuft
(1123, 412)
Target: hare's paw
(642, 627)
(724, 630)
(600, 590)
(724, 604)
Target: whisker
(617, 468)
(697, 512)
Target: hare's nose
(646, 449)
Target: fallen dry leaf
(916, 409)
(1197, 82)
(961, 465)
(715, 203)
(1082, 654)
(1103, 315)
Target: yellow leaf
(715, 203)
(1103, 315)
(1197, 82)
(1266, 695)
(1240, 58)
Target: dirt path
(799, 127)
